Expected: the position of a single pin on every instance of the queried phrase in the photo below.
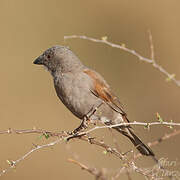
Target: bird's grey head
(59, 59)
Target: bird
(86, 93)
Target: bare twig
(37, 147)
(128, 175)
(31, 131)
(133, 52)
(115, 140)
(169, 124)
(166, 136)
(151, 44)
(99, 174)
(107, 148)
(39, 131)
(62, 136)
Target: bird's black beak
(39, 60)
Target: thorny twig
(133, 52)
(99, 174)
(62, 136)
(151, 45)
(39, 131)
(13, 163)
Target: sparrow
(86, 94)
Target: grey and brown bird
(85, 92)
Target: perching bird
(85, 92)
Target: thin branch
(107, 148)
(133, 52)
(169, 124)
(128, 175)
(99, 174)
(32, 131)
(39, 131)
(37, 147)
(115, 140)
(151, 44)
(62, 136)
(165, 137)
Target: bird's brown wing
(102, 90)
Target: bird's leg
(86, 118)
(82, 126)
(75, 132)
(84, 123)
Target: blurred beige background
(27, 95)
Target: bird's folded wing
(102, 91)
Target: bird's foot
(83, 126)
(75, 135)
(76, 132)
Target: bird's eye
(48, 56)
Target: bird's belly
(77, 100)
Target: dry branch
(63, 136)
(151, 60)
(98, 174)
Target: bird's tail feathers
(141, 147)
